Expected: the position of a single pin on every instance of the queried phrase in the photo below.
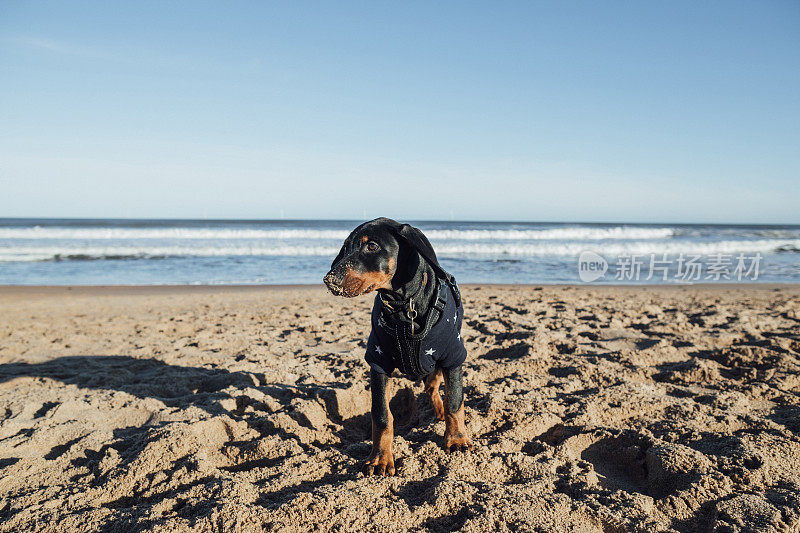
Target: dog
(416, 326)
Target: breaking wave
(565, 233)
(450, 250)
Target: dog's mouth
(352, 292)
(347, 287)
(336, 290)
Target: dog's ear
(408, 260)
(419, 241)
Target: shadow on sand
(181, 387)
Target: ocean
(154, 252)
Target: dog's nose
(332, 282)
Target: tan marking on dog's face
(356, 283)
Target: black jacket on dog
(392, 345)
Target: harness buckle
(411, 314)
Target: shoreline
(186, 288)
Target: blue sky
(547, 111)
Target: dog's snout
(333, 282)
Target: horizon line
(415, 220)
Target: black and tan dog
(416, 323)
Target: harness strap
(435, 313)
(446, 276)
(409, 344)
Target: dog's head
(378, 254)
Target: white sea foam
(566, 233)
(61, 233)
(54, 253)
(617, 248)
(478, 250)
(177, 233)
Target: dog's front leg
(432, 383)
(456, 437)
(381, 460)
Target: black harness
(394, 343)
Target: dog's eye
(371, 246)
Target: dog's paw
(457, 442)
(380, 464)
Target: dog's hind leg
(456, 437)
(381, 459)
(432, 383)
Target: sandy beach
(246, 409)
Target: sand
(246, 409)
